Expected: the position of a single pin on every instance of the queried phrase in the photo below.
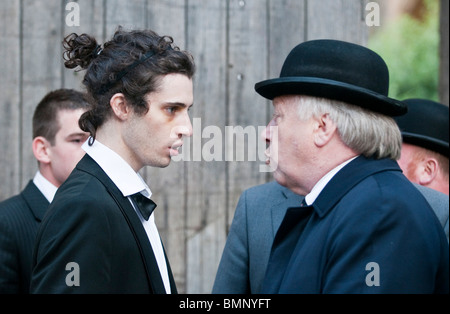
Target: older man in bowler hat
(425, 150)
(363, 227)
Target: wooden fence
(236, 43)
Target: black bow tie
(145, 205)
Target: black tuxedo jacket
(20, 217)
(92, 241)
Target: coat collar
(35, 200)
(285, 199)
(349, 176)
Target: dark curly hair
(132, 62)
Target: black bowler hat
(336, 70)
(425, 125)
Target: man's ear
(119, 106)
(428, 171)
(40, 147)
(324, 130)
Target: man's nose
(184, 129)
(266, 132)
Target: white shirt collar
(320, 185)
(46, 188)
(118, 170)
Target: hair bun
(80, 50)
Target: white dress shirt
(320, 185)
(46, 188)
(129, 182)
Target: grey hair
(367, 132)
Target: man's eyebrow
(77, 134)
(178, 104)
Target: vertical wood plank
(10, 103)
(248, 64)
(41, 59)
(337, 19)
(130, 14)
(286, 17)
(168, 17)
(206, 180)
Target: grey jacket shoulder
(270, 191)
(258, 215)
(439, 202)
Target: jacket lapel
(87, 164)
(35, 200)
(173, 287)
(287, 199)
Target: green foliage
(411, 50)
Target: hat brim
(427, 142)
(325, 88)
